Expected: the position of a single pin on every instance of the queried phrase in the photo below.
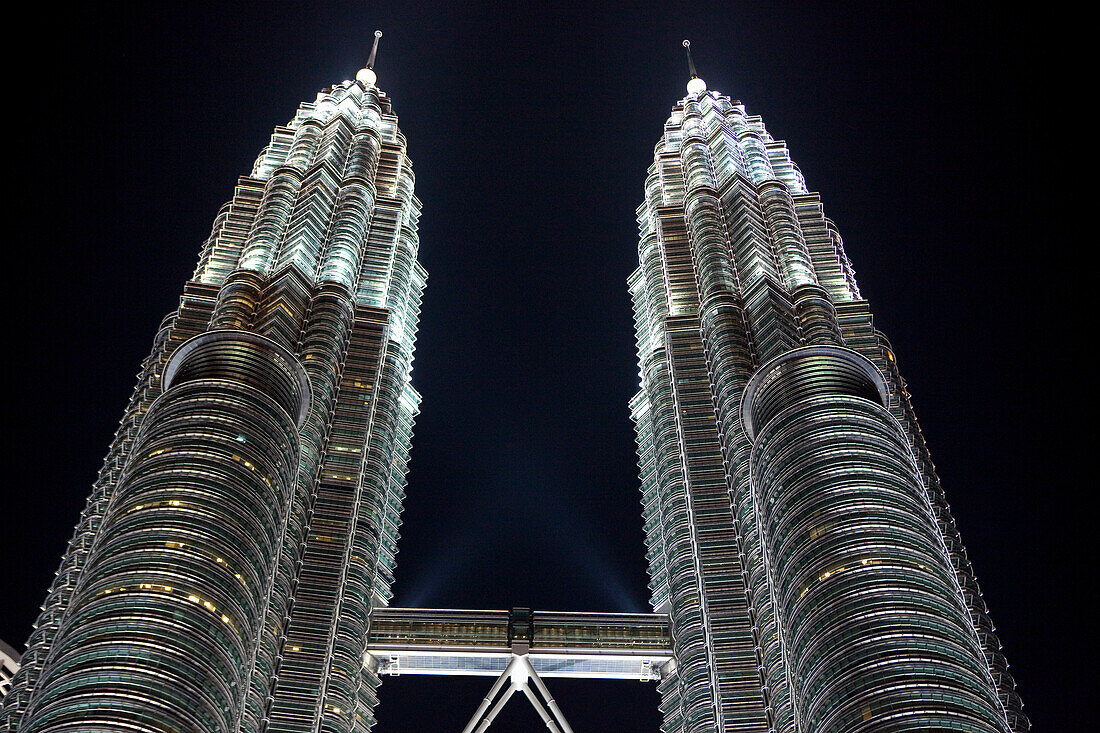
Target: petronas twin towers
(232, 568)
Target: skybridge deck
(556, 644)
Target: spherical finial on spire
(367, 77)
(696, 86)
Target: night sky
(530, 131)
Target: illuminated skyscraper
(244, 523)
(797, 533)
(240, 539)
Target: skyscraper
(244, 523)
(329, 719)
(797, 533)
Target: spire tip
(696, 86)
(691, 64)
(373, 50)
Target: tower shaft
(767, 535)
(245, 522)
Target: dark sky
(530, 130)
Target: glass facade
(9, 665)
(796, 530)
(244, 525)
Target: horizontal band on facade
(807, 371)
(211, 351)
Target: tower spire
(695, 86)
(374, 50)
(691, 64)
(366, 75)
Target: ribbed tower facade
(244, 524)
(796, 530)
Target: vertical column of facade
(876, 632)
(726, 367)
(718, 359)
(189, 321)
(688, 701)
(366, 308)
(280, 302)
(771, 329)
(353, 427)
(735, 667)
(163, 622)
(374, 541)
(689, 514)
(687, 695)
(649, 333)
(322, 348)
(391, 278)
(324, 340)
(327, 337)
(320, 546)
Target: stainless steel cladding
(872, 615)
(807, 557)
(244, 525)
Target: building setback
(244, 523)
(796, 530)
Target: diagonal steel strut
(519, 674)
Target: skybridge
(519, 647)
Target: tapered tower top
(366, 75)
(695, 85)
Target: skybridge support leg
(484, 706)
(495, 711)
(558, 715)
(520, 674)
(541, 710)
